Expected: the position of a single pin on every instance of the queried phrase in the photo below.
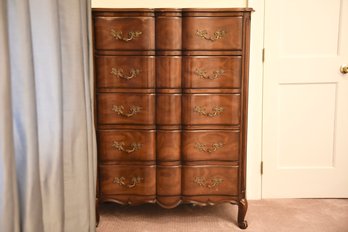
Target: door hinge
(263, 54)
(261, 168)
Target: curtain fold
(47, 143)
(9, 209)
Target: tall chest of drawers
(171, 89)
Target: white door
(305, 119)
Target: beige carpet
(290, 215)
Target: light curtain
(47, 144)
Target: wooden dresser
(171, 89)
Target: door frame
(268, 119)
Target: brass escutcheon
(118, 35)
(216, 36)
(209, 183)
(133, 110)
(216, 111)
(121, 146)
(205, 148)
(131, 184)
(118, 72)
(203, 74)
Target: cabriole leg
(242, 209)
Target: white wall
(254, 154)
(256, 71)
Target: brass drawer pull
(118, 72)
(217, 35)
(132, 183)
(121, 146)
(203, 74)
(210, 183)
(216, 111)
(204, 148)
(118, 35)
(133, 110)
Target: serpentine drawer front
(125, 71)
(171, 88)
(212, 71)
(126, 145)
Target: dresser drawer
(123, 179)
(125, 71)
(209, 180)
(126, 145)
(124, 33)
(211, 109)
(212, 72)
(121, 108)
(213, 145)
(212, 33)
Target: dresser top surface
(151, 10)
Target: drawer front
(212, 72)
(168, 109)
(168, 33)
(212, 33)
(168, 71)
(124, 33)
(203, 145)
(123, 179)
(210, 180)
(168, 180)
(125, 71)
(168, 145)
(119, 108)
(213, 109)
(126, 145)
